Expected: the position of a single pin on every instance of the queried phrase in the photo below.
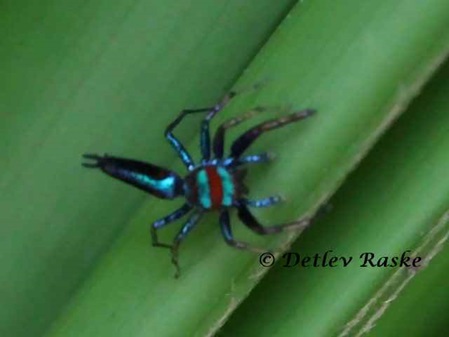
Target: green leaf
(397, 200)
(93, 90)
(86, 76)
(351, 76)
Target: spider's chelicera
(216, 184)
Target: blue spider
(217, 184)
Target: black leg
(165, 221)
(244, 141)
(252, 223)
(219, 138)
(229, 238)
(185, 230)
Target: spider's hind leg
(252, 223)
(229, 238)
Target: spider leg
(205, 133)
(264, 157)
(188, 226)
(229, 238)
(252, 223)
(226, 100)
(219, 138)
(176, 144)
(244, 141)
(265, 202)
(205, 138)
(180, 212)
(260, 158)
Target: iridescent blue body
(216, 184)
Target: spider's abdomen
(211, 187)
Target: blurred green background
(95, 76)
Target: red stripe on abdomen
(215, 186)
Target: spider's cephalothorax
(216, 184)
